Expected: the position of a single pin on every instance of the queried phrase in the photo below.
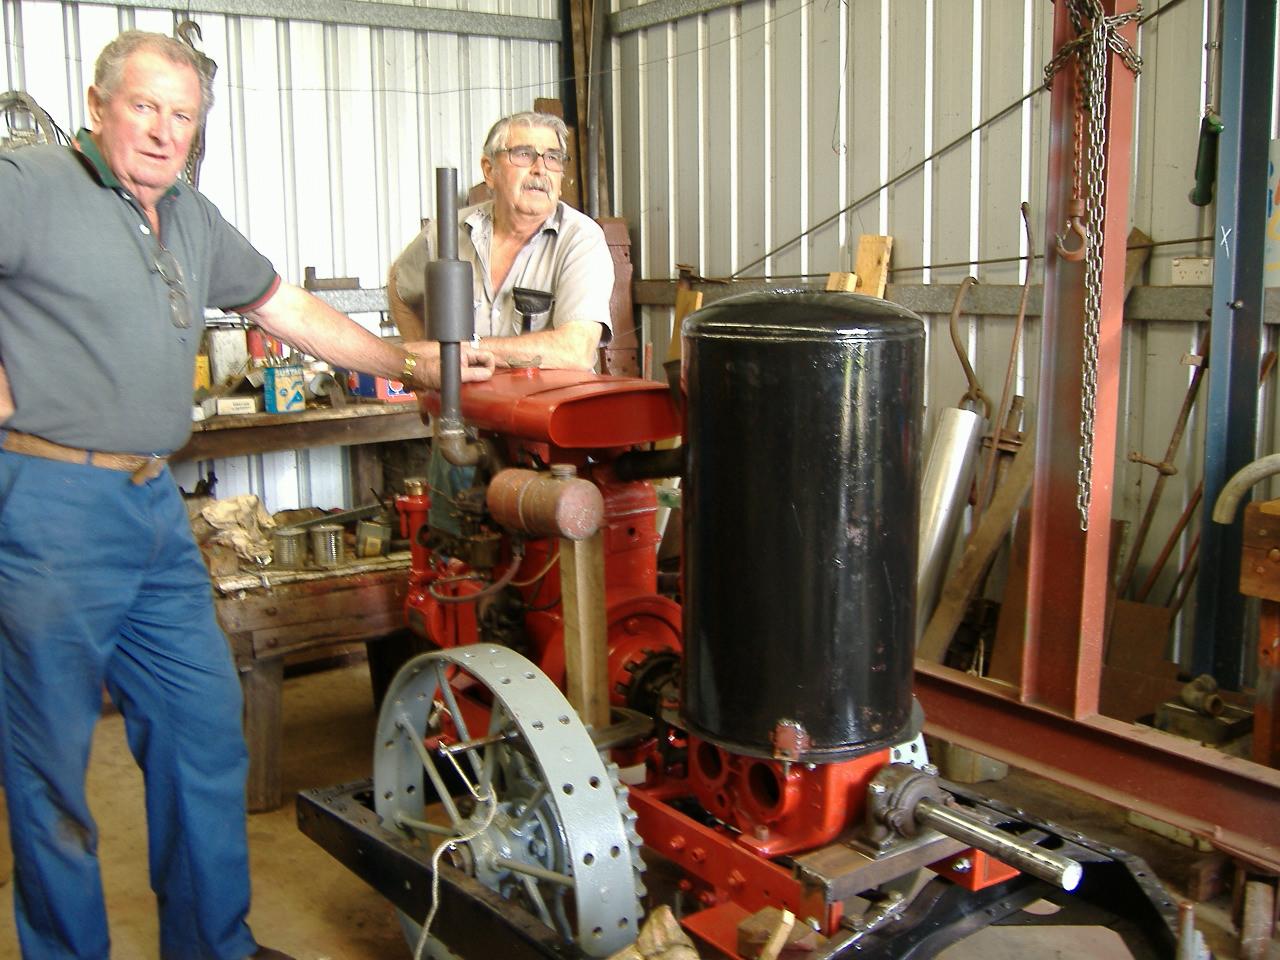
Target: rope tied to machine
(1097, 38)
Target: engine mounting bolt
(736, 880)
(761, 832)
(563, 471)
(676, 843)
(962, 865)
(697, 854)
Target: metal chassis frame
(475, 921)
(1049, 723)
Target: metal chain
(1101, 41)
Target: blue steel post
(1248, 79)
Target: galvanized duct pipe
(948, 475)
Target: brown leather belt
(141, 468)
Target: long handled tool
(1268, 364)
(1164, 468)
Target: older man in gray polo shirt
(524, 238)
(106, 266)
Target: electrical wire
(517, 555)
(555, 558)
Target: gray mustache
(538, 183)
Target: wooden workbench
(267, 617)
(355, 423)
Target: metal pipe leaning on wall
(944, 493)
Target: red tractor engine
(579, 424)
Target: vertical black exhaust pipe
(450, 320)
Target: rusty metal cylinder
(555, 504)
(801, 513)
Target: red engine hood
(568, 408)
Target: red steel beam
(1231, 801)
(1067, 577)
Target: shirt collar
(88, 148)
(482, 217)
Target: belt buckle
(149, 469)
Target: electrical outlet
(1192, 271)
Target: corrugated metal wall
(321, 145)
(739, 128)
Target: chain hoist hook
(1075, 224)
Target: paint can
(289, 548)
(326, 545)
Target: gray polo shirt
(87, 336)
(568, 258)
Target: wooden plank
(687, 302)
(356, 572)
(872, 264)
(570, 183)
(963, 583)
(585, 629)
(306, 611)
(262, 683)
(842, 282)
(1005, 662)
(320, 601)
(263, 433)
(268, 644)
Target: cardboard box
(283, 389)
(378, 388)
(231, 406)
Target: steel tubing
(943, 496)
(1048, 866)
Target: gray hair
(108, 72)
(499, 133)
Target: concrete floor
(308, 905)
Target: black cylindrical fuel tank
(801, 506)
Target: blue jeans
(101, 582)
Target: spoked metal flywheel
(541, 819)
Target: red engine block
(780, 807)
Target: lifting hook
(1075, 224)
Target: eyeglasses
(523, 156)
(171, 273)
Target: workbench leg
(387, 655)
(262, 683)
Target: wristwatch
(409, 372)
